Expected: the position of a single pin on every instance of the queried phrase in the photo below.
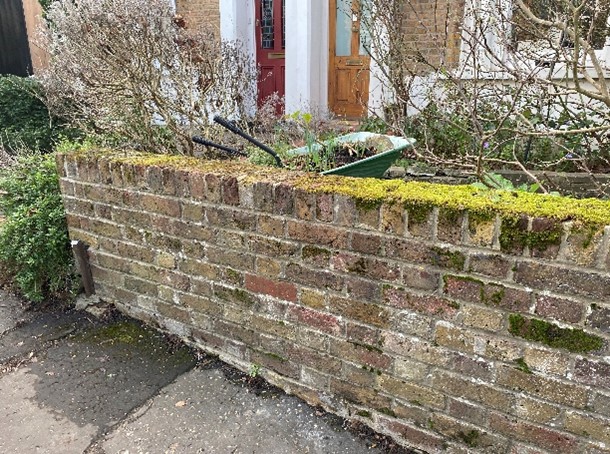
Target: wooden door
(271, 48)
(349, 65)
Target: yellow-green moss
(574, 340)
(371, 191)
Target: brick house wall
(445, 329)
(199, 12)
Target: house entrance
(349, 62)
(271, 48)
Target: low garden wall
(451, 318)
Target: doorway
(271, 49)
(349, 60)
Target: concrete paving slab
(202, 412)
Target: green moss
(522, 366)
(358, 267)
(371, 191)
(470, 438)
(445, 257)
(515, 235)
(494, 299)
(312, 252)
(368, 347)
(364, 414)
(574, 340)
(419, 213)
(368, 205)
(387, 411)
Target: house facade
(312, 51)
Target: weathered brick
(600, 403)
(325, 207)
(582, 245)
(369, 314)
(269, 267)
(314, 278)
(460, 408)
(313, 339)
(474, 367)
(304, 205)
(272, 247)
(173, 312)
(425, 304)
(236, 332)
(420, 278)
(358, 375)
(367, 243)
(230, 191)
(563, 280)
(363, 289)
(454, 337)
(543, 387)
(417, 349)
(368, 216)
(481, 230)
(366, 267)
(234, 295)
(422, 254)
(282, 290)
(393, 219)
(325, 235)
(562, 309)
(482, 318)
(494, 295)
(160, 205)
(449, 225)
(201, 304)
(420, 221)
(414, 436)
(313, 378)
(361, 353)
(537, 411)
(345, 211)
(361, 395)
(271, 226)
(322, 321)
(468, 434)
(363, 334)
(599, 317)
(548, 361)
(276, 363)
(472, 390)
(552, 440)
(413, 324)
(235, 259)
(131, 218)
(498, 348)
(314, 359)
(272, 327)
(411, 392)
(412, 413)
(494, 265)
(213, 188)
(192, 211)
(596, 373)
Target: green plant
(34, 243)
(373, 124)
(497, 181)
(254, 371)
(25, 121)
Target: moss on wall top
(373, 191)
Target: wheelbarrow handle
(207, 143)
(234, 129)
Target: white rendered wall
(307, 56)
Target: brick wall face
(412, 320)
(199, 12)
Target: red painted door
(270, 49)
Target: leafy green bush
(34, 244)
(25, 121)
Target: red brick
(213, 188)
(319, 320)
(263, 196)
(283, 199)
(282, 290)
(324, 235)
(230, 191)
(325, 207)
(304, 205)
(559, 308)
(367, 243)
(552, 440)
(425, 304)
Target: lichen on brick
(571, 339)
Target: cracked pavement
(73, 383)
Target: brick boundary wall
(438, 328)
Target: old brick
(552, 440)
(562, 309)
(589, 426)
(272, 327)
(213, 188)
(493, 265)
(272, 247)
(421, 254)
(361, 395)
(482, 318)
(282, 290)
(314, 359)
(367, 243)
(410, 370)
(230, 191)
(316, 255)
(235, 259)
(272, 226)
(582, 245)
(420, 221)
(472, 390)
(468, 434)
(414, 436)
(363, 289)
(474, 367)
(498, 348)
(173, 312)
(234, 295)
(413, 324)
(411, 392)
(325, 235)
(536, 411)
(369, 314)
(599, 317)
(365, 266)
(363, 334)
(345, 211)
(277, 363)
(393, 219)
(140, 286)
(192, 211)
(600, 403)
(361, 353)
(455, 338)
(417, 349)
(304, 205)
(322, 321)
(460, 408)
(595, 373)
(476, 291)
(201, 304)
(420, 278)
(313, 339)
(543, 387)
(325, 207)
(548, 361)
(269, 267)
(481, 230)
(449, 225)
(236, 332)
(563, 280)
(314, 278)
(426, 304)
(368, 216)
(160, 205)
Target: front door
(270, 49)
(349, 68)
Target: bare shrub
(128, 70)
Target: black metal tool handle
(229, 150)
(234, 129)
